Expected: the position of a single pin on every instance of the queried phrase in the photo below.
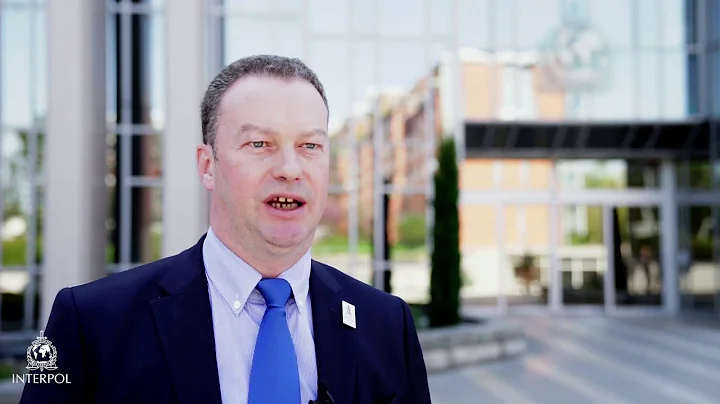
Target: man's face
(271, 172)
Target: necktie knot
(276, 292)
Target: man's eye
(312, 145)
(258, 143)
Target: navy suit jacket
(146, 336)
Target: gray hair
(259, 65)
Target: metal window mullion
(306, 30)
(502, 299)
(588, 103)
(214, 39)
(112, 117)
(2, 191)
(354, 197)
(635, 38)
(378, 164)
(515, 66)
(702, 58)
(354, 188)
(272, 23)
(555, 240)
(32, 233)
(429, 129)
(22, 5)
(661, 65)
(126, 137)
(135, 128)
(219, 10)
(458, 100)
(31, 239)
(360, 36)
(492, 78)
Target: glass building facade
(588, 135)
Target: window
(136, 90)
(23, 106)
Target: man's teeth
(278, 205)
(284, 203)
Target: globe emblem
(575, 57)
(41, 354)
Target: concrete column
(75, 193)
(185, 212)
(669, 226)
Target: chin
(286, 243)
(286, 239)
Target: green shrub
(445, 278)
(412, 231)
(8, 369)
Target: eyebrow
(247, 128)
(250, 128)
(319, 132)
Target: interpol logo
(41, 355)
(576, 58)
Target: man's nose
(288, 167)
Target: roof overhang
(688, 139)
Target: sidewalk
(10, 393)
(580, 359)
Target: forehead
(274, 103)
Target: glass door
(582, 256)
(634, 249)
(609, 256)
(699, 279)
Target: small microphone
(324, 396)
(330, 398)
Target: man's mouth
(284, 203)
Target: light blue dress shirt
(237, 310)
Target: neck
(268, 260)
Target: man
(245, 315)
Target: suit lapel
(335, 348)
(184, 322)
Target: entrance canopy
(537, 139)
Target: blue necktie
(274, 377)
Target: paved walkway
(597, 360)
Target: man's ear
(205, 166)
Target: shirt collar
(235, 279)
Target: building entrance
(573, 248)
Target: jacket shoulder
(141, 282)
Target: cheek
(321, 179)
(239, 184)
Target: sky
(351, 70)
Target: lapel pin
(348, 311)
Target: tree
(445, 278)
